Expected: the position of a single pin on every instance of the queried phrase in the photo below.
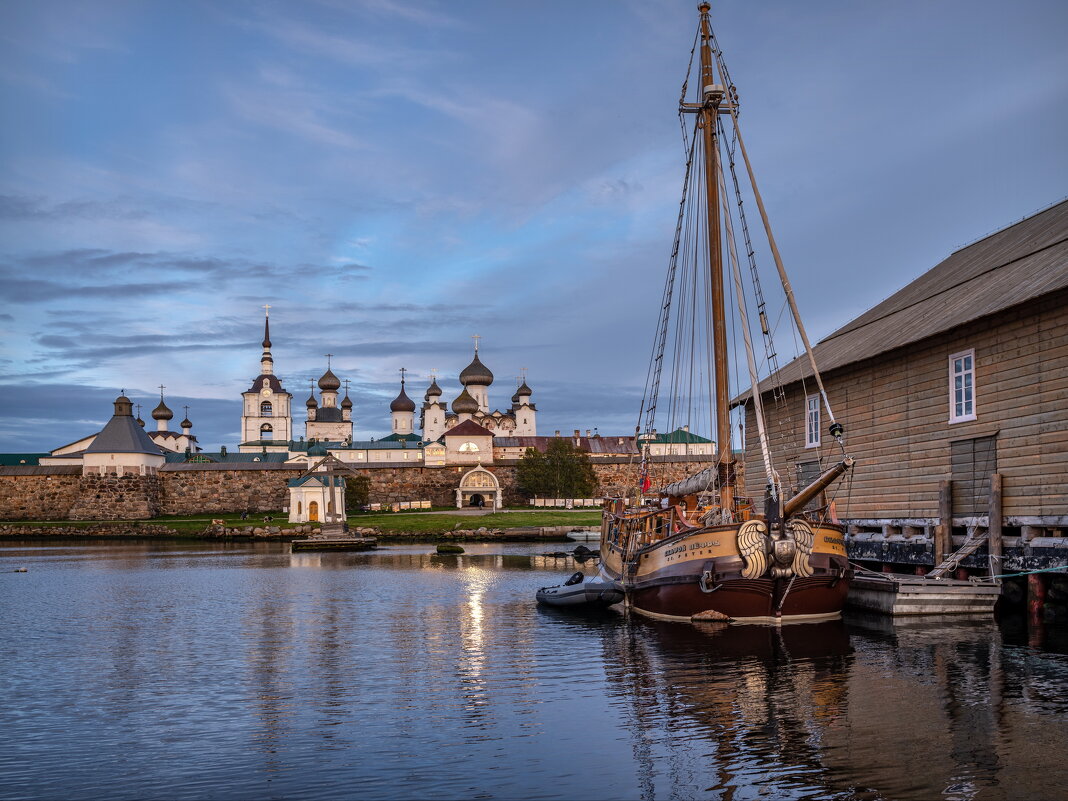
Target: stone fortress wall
(62, 493)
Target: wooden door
(313, 511)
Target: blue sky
(393, 177)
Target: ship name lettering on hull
(693, 546)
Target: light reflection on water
(238, 671)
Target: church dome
(124, 406)
(346, 403)
(515, 397)
(433, 391)
(140, 422)
(161, 412)
(185, 423)
(329, 382)
(464, 403)
(524, 391)
(311, 402)
(402, 403)
(476, 374)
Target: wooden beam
(993, 531)
(944, 532)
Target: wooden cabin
(960, 376)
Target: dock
(334, 537)
(335, 544)
(896, 594)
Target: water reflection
(193, 671)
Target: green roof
(402, 438)
(9, 459)
(678, 435)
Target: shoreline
(155, 531)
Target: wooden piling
(943, 540)
(994, 519)
(1036, 597)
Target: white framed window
(962, 386)
(812, 421)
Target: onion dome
(161, 412)
(515, 397)
(346, 403)
(476, 374)
(185, 423)
(402, 403)
(312, 403)
(329, 382)
(464, 403)
(140, 422)
(433, 391)
(524, 391)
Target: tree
(563, 471)
(357, 492)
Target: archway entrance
(478, 488)
(313, 511)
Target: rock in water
(450, 549)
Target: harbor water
(231, 671)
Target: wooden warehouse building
(961, 377)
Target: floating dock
(335, 544)
(895, 594)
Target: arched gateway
(479, 484)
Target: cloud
(30, 291)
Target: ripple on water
(193, 671)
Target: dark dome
(140, 422)
(346, 403)
(524, 391)
(329, 382)
(124, 406)
(402, 403)
(433, 391)
(515, 397)
(161, 412)
(311, 402)
(186, 424)
(476, 373)
(464, 403)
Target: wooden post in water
(943, 541)
(993, 529)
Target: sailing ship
(700, 548)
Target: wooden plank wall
(895, 409)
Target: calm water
(242, 671)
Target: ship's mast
(711, 97)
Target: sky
(394, 177)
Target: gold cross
(476, 337)
(267, 307)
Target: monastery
(463, 453)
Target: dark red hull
(770, 600)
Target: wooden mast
(711, 96)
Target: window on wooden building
(812, 421)
(962, 386)
(972, 462)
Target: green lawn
(401, 523)
(386, 522)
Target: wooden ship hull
(700, 574)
